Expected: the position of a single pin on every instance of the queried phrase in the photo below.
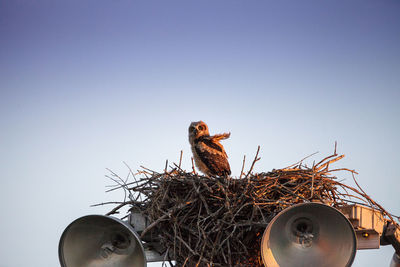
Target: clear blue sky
(86, 85)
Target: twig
(167, 214)
(241, 172)
(180, 159)
(194, 171)
(254, 161)
(299, 162)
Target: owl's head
(197, 129)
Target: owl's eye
(191, 129)
(202, 128)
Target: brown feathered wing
(213, 155)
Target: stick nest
(208, 221)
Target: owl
(209, 155)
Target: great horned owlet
(209, 155)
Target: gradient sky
(86, 85)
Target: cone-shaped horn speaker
(100, 241)
(309, 234)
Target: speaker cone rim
(309, 204)
(65, 232)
